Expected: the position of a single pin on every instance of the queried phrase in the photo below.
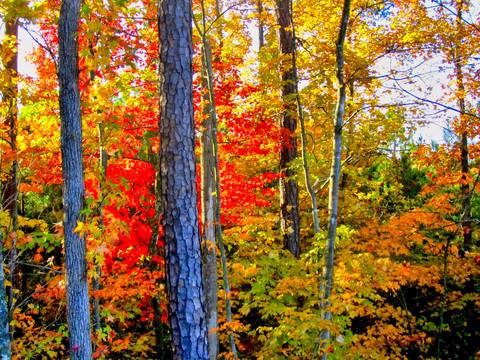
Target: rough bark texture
(78, 312)
(326, 279)
(288, 124)
(183, 256)
(209, 243)
(5, 353)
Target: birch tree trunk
(183, 257)
(78, 311)
(211, 194)
(326, 279)
(209, 243)
(303, 134)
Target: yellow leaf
(80, 228)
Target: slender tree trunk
(261, 25)
(96, 280)
(10, 187)
(161, 345)
(326, 279)
(219, 27)
(208, 195)
(288, 124)
(464, 162)
(211, 204)
(303, 135)
(78, 311)
(5, 352)
(217, 197)
(183, 258)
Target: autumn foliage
(405, 284)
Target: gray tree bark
(303, 134)
(289, 212)
(78, 311)
(208, 195)
(183, 258)
(326, 278)
(211, 194)
(5, 352)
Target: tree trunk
(96, 280)
(5, 353)
(10, 187)
(288, 124)
(183, 257)
(78, 311)
(209, 243)
(211, 204)
(303, 135)
(261, 25)
(217, 192)
(326, 279)
(465, 189)
(161, 345)
(7, 201)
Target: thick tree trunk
(288, 124)
(326, 278)
(5, 353)
(183, 258)
(78, 311)
(209, 243)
